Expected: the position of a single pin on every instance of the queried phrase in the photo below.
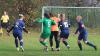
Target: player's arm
(69, 24)
(77, 30)
(9, 30)
(38, 21)
(59, 25)
(1, 19)
(25, 30)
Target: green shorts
(45, 35)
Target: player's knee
(40, 39)
(63, 40)
(21, 40)
(78, 41)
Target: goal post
(91, 15)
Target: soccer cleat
(81, 49)
(22, 49)
(95, 47)
(46, 49)
(52, 49)
(68, 47)
(57, 49)
(17, 49)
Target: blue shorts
(64, 34)
(82, 37)
(18, 35)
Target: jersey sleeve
(82, 24)
(39, 20)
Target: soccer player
(5, 20)
(47, 22)
(54, 32)
(17, 28)
(82, 33)
(64, 30)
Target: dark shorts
(54, 34)
(18, 35)
(82, 37)
(4, 25)
(64, 35)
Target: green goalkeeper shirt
(47, 23)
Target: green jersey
(47, 23)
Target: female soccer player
(54, 32)
(47, 22)
(5, 20)
(17, 28)
(83, 33)
(64, 28)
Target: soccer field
(34, 48)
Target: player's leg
(21, 41)
(56, 40)
(65, 39)
(1, 32)
(51, 40)
(16, 41)
(79, 41)
(88, 43)
(43, 41)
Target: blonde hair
(79, 17)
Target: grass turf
(34, 48)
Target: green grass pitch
(34, 48)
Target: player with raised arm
(82, 33)
(17, 28)
(64, 30)
(47, 22)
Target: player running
(17, 28)
(47, 22)
(83, 33)
(64, 30)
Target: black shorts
(4, 25)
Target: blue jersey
(64, 26)
(81, 29)
(18, 26)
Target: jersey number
(49, 24)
